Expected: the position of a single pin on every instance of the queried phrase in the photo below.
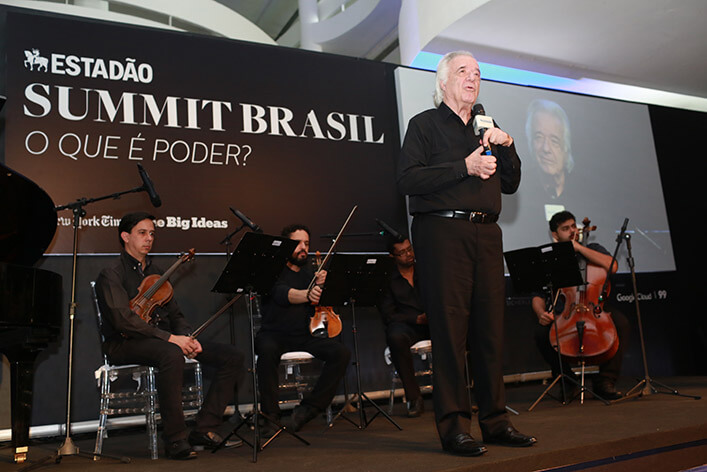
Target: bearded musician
(285, 327)
(163, 343)
(563, 228)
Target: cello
(586, 333)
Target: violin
(325, 316)
(155, 290)
(325, 322)
(585, 330)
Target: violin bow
(213, 317)
(331, 249)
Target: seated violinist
(286, 327)
(163, 342)
(563, 227)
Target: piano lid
(29, 218)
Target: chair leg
(391, 400)
(329, 414)
(198, 381)
(102, 431)
(296, 373)
(151, 408)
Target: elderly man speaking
(454, 188)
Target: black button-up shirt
(116, 286)
(401, 301)
(432, 171)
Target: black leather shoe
(210, 440)
(511, 437)
(180, 450)
(464, 445)
(416, 407)
(606, 389)
(303, 414)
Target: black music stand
(548, 268)
(254, 267)
(357, 280)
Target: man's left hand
(497, 136)
(321, 277)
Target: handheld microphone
(149, 187)
(481, 123)
(389, 229)
(246, 221)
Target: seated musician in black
(163, 343)
(563, 227)
(285, 328)
(405, 320)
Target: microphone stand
(645, 386)
(68, 447)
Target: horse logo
(34, 59)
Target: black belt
(473, 216)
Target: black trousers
(270, 345)
(463, 289)
(609, 369)
(169, 360)
(400, 336)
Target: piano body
(30, 298)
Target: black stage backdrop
(674, 323)
(282, 135)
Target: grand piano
(30, 298)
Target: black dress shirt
(401, 301)
(433, 173)
(278, 313)
(116, 286)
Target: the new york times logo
(127, 70)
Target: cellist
(563, 227)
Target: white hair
(443, 73)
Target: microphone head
(482, 122)
(149, 187)
(478, 109)
(397, 236)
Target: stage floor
(656, 432)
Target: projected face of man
(549, 144)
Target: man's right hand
(190, 346)
(546, 318)
(315, 294)
(480, 164)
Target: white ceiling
(657, 44)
